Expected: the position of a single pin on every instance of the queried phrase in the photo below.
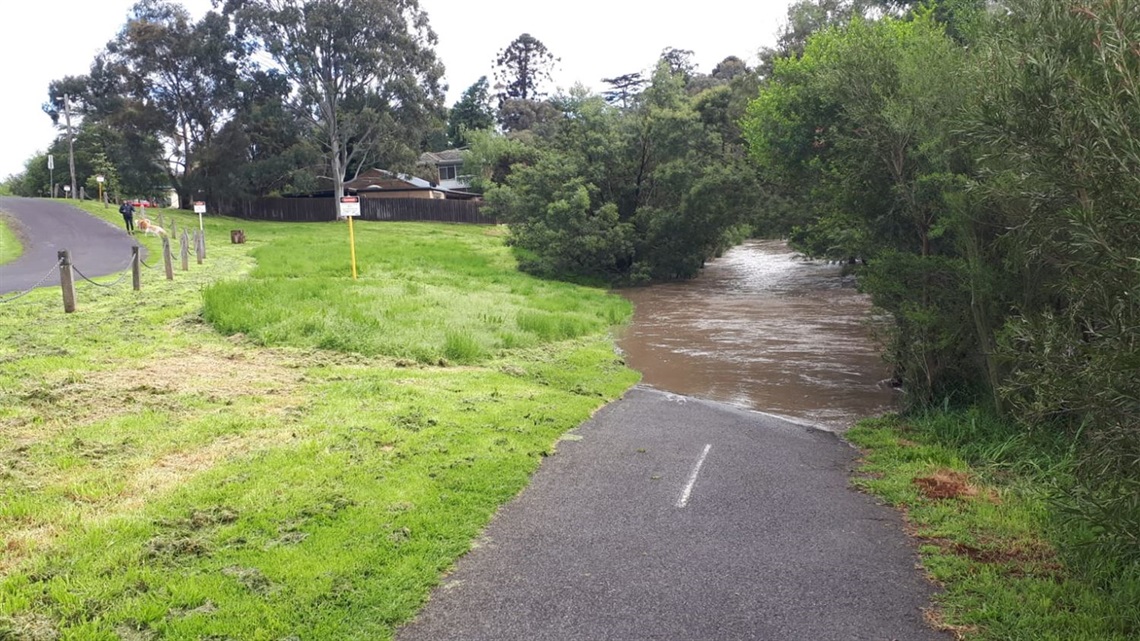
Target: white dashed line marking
(684, 500)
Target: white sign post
(350, 208)
(199, 208)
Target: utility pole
(70, 144)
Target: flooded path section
(762, 329)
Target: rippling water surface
(762, 329)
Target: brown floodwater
(762, 329)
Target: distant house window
(447, 172)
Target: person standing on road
(128, 212)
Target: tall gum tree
(178, 76)
(363, 72)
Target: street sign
(51, 161)
(199, 207)
(349, 206)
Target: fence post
(66, 281)
(136, 275)
(184, 250)
(166, 259)
(161, 222)
(200, 246)
(174, 228)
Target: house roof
(382, 180)
(374, 179)
(446, 157)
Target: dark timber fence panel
(396, 209)
(290, 210)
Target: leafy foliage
(855, 131)
(621, 195)
(369, 93)
(472, 112)
(991, 192)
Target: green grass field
(10, 246)
(976, 494)
(264, 448)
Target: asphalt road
(45, 227)
(684, 520)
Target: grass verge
(977, 495)
(301, 475)
(10, 246)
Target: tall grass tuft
(461, 346)
(552, 327)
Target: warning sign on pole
(349, 206)
(199, 207)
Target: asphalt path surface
(45, 227)
(685, 520)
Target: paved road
(605, 544)
(45, 227)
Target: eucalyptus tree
(172, 77)
(363, 74)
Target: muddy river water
(765, 330)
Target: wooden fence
(405, 209)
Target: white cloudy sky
(43, 40)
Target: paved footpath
(684, 520)
(45, 227)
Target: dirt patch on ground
(946, 484)
(28, 627)
(1016, 558)
(176, 468)
(199, 376)
(217, 375)
(164, 475)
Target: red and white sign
(349, 206)
(199, 207)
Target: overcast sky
(42, 40)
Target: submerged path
(46, 227)
(678, 519)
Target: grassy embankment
(306, 473)
(10, 246)
(976, 494)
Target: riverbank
(311, 469)
(981, 499)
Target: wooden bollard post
(161, 222)
(200, 246)
(173, 228)
(167, 261)
(66, 281)
(184, 250)
(136, 272)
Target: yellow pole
(352, 244)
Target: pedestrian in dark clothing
(128, 212)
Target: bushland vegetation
(981, 159)
(644, 183)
